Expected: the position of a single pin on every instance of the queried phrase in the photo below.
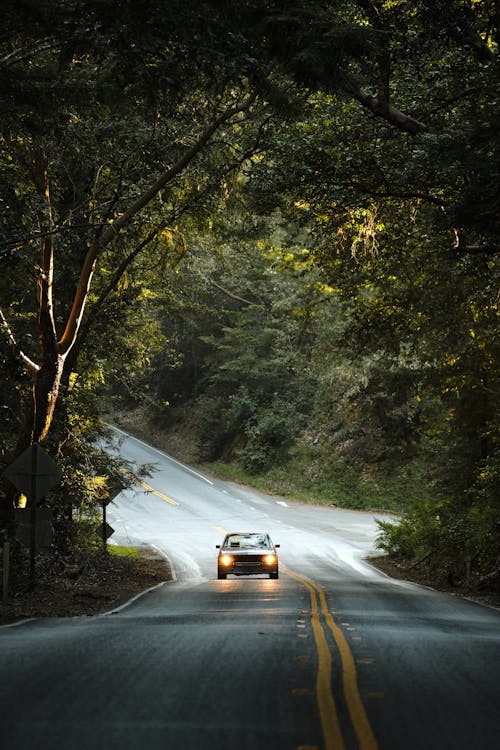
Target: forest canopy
(279, 224)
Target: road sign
(33, 472)
(107, 531)
(44, 531)
(115, 486)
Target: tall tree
(98, 128)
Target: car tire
(221, 575)
(274, 574)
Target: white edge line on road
(18, 622)
(142, 593)
(130, 601)
(164, 455)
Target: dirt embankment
(93, 585)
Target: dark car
(246, 554)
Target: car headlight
(225, 559)
(270, 559)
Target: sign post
(115, 487)
(107, 530)
(5, 570)
(33, 498)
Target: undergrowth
(309, 478)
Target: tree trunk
(47, 374)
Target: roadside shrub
(450, 539)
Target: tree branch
(109, 234)
(383, 109)
(232, 295)
(30, 365)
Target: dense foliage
(280, 221)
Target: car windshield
(244, 541)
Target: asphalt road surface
(331, 656)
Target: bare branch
(110, 233)
(232, 295)
(26, 53)
(31, 366)
(382, 108)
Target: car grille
(248, 563)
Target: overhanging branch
(112, 230)
(229, 294)
(30, 365)
(383, 109)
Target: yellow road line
(156, 492)
(357, 711)
(328, 715)
(327, 709)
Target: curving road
(331, 656)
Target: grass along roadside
(338, 485)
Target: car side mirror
(217, 546)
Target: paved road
(331, 656)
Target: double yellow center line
(330, 724)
